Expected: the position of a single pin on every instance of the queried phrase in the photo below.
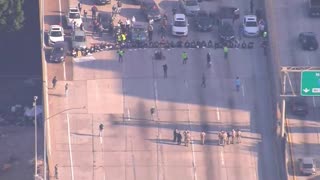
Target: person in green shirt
(121, 54)
(225, 51)
(184, 57)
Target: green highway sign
(310, 83)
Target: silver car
(79, 39)
(190, 7)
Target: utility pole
(35, 138)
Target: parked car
(204, 22)
(307, 166)
(189, 7)
(151, 10)
(225, 31)
(79, 39)
(55, 34)
(106, 21)
(298, 106)
(102, 2)
(74, 16)
(308, 41)
(250, 26)
(139, 32)
(180, 25)
(58, 52)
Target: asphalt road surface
(136, 145)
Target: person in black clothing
(175, 133)
(165, 70)
(179, 138)
(54, 82)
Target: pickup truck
(314, 8)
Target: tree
(11, 15)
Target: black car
(204, 22)
(308, 41)
(151, 10)
(139, 32)
(298, 106)
(106, 21)
(226, 31)
(58, 52)
(102, 2)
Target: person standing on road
(175, 135)
(238, 83)
(236, 15)
(121, 54)
(56, 171)
(85, 13)
(94, 10)
(79, 6)
(203, 83)
(179, 138)
(202, 137)
(101, 126)
(150, 31)
(165, 70)
(225, 51)
(208, 59)
(54, 82)
(184, 57)
(66, 89)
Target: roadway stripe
(60, 14)
(192, 144)
(70, 150)
(314, 102)
(218, 113)
(242, 88)
(64, 70)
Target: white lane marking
(101, 138)
(222, 158)
(129, 118)
(64, 70)
(104, 176)
(192, 144)
(242, 88)
(218, 114)
(314, 102)
(60, 13)
(70, 150)
(308, 60)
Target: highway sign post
(310, 83)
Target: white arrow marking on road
(306, 90)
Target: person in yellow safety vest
(225, 50)
(184, 57)
(123, 37)
(119, 38)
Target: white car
(55, 34)
(250, 26)
(180, 25)
(74, 16)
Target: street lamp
(35, 137)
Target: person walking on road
(100, 130)
(121, 54)
(184, 57)
(175, 135)
(202, 137)
(66, 89)
(238, 83)
(54, 82)
(165, 70)
(228, 137)
(203, 83)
